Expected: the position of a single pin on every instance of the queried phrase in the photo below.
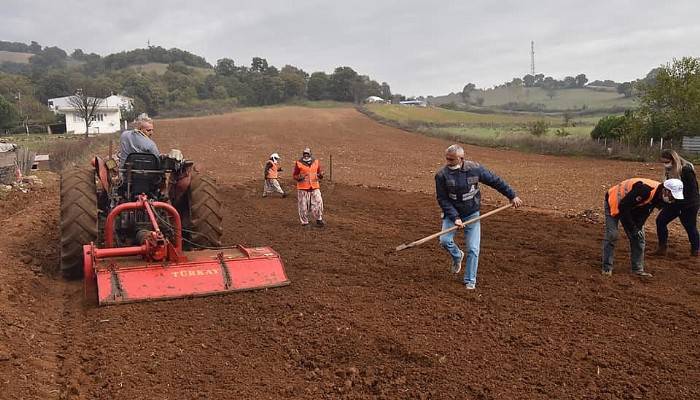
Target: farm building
(374, 99)
(108, 117)
(416, 103)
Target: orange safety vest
(310, 175)
(619, 191)
(272, 172)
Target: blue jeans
(612, 233)
(472, 239)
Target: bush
(561, 132)
(610, 126)
(538, 128)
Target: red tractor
(152, 230)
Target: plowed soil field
(360, 321)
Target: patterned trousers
(309, 201)
(272, 186)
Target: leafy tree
(671, 104)
(466, 91)
(386, 91)
(34, 47)
(570, 82)
(625, 89)
(539, 78)
(581, 80)
(341, 83)
(318, 87)
(294, 82)
(258, 65)
(9, 117)
(529, 80)
(219, 92)
(50, 57)
(610, 127)
(56, 83)
(145, 89)
(77, 54)
(225, 67)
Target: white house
(107, 117)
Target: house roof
(112, 102)
(63, 104)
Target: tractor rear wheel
(79, 218)
(205, 218)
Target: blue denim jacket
(458, 191)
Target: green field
(441, 121)
(441, 116)
(484, 132)
(562, 99)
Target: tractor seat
(144, 172)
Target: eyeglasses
(149, 130)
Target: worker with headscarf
(308, 173)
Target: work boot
(457, 266)
(660, 251)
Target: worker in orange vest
(631, 202)
(308, 173)
(272, 170)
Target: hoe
(135, 236)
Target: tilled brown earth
(235, 147)
(359, 321)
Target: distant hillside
(160, 68)
(538, 99)
(14, 57)
(163, 81)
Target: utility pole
(21, 115)
(532, 57)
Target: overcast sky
(418, 47)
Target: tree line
(669, 98)
(188, 79)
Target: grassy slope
(11, 56)
(564, 99)
(435, 115)
(160, 68)
(473, 124)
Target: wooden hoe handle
(454, 228)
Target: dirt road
(359, 321)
